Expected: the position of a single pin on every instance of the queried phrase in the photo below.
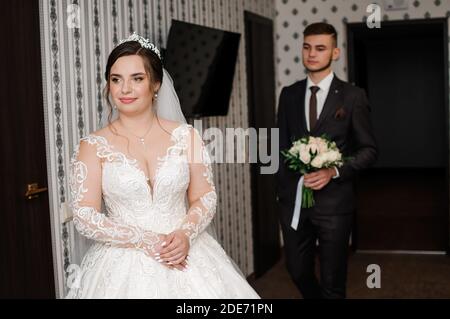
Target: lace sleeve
(201, 191)
(85, 182)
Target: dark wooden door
(26, 266)
(261, 104)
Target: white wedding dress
(115, 266)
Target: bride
(153, 173)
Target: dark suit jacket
(345, 119)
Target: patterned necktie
(313, 107)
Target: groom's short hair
(321, 28)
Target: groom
(322, 104)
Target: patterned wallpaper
(293, 15)
(73, 65)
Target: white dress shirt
(324, 86)
(322, 93)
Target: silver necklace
(140, 138)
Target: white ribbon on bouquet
(298, 204)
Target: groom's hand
(319, 179)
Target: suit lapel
(331, 103)
(299, 116)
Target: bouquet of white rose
(310, 154)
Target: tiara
(145, 43)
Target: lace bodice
(183, 194)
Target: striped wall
(73, 65)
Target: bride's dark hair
(152, 64)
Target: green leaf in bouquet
(313, 154)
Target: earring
(156, 96)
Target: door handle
(33, 190)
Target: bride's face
(130, 85)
